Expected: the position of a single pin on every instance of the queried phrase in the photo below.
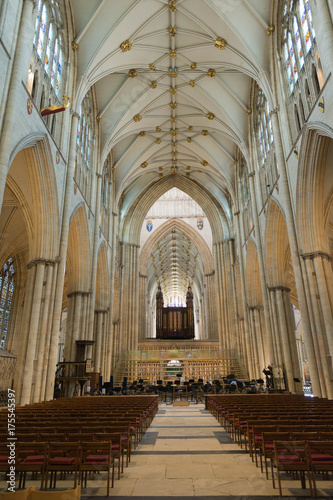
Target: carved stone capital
(45, 262)
(316, 255)
(142, 276)
(208, 275)
(252, 174)
(99, 176)
(256, 308)
(237, 213)
(79, 292)
(101, 311)
(278, 288)
(274, 111)
(75, 114)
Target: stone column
(42, 336)
(218, 294)
(62, 260)
(242, 275)
(142, 306)
(32, 334)
(19, 72)
(90, 311)
(21, 347)
(321, 311)
(98, 339)
(269, 338)
(286, 203)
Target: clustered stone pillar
(76, 322)
(285, 338)
(319, 279)
(210, 306)
(289, 217)
(142, 306)
(129, 303)
(267, 340)
(34, 340)
(257, 328)
(100, 338)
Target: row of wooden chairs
(261, 422)
(77, 458)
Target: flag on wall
(51, 110)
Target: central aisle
(185, 452)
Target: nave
(186, 452)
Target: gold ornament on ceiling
(174, 153)
(191, 83)
(204, 163)
(172, 72)
(132, 73)
(211, 73)
(123, 195)
(270, 29)
(142, 133)
(190, 128)
(173, 119)
(98, 119)
(220, 43)
(172, 30)
(173, 54)
(193, 65)
(210, 116)
(152, 67)
(173, 105)
(188, 167)
(172, 5)
(174, 131)
(204, 132)
(249, 111)
(173, 90)
(160, 169)
(174, 162)
(158, 129)
(160, 175)
(158, 141)
(144, 164)
(137, 117)
(189, 139)
(75, 46)
(126, 46)
(187, 174)
(153, 85)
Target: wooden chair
(62, 457)
(31, 458)
(267, 446)
(321, 458)
(94, 457)
(291, 456)
(117, 449)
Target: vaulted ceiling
(172, 80)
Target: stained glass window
(41, 35)
(48, 42)
(6, 298)
(298, 37)
(264, 126)
(48, 49)
(83, 137)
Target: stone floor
(186, 453)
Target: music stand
(297, 381)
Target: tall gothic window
(48, 41)
(6, 297)
(264, 127)
(298, 37)
(105, 185)
(83, 138)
